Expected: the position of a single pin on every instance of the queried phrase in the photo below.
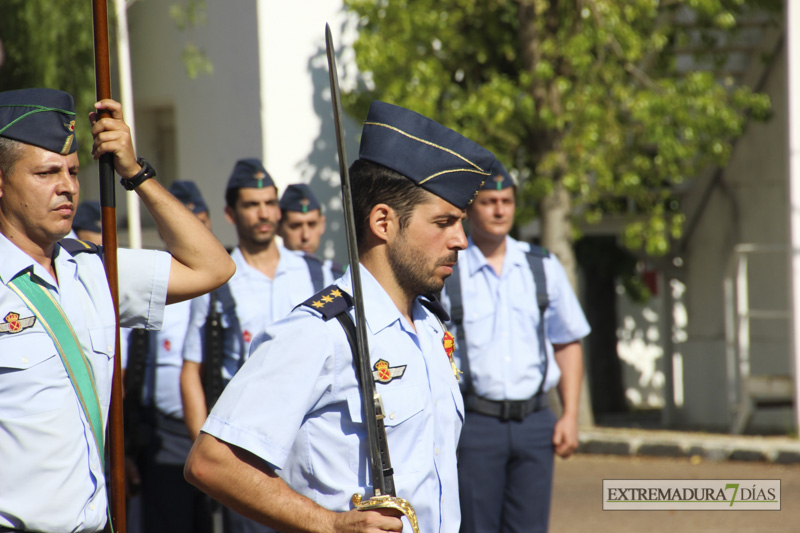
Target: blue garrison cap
(298, 197)
(249, 173)
(434, 157)
(41, 117)
(499, 179)
(87, 216)
(189, 194)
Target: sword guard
(388, 502)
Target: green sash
(49, 313)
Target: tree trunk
(555, 208)
(557, 237)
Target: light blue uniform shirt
(249, 302)
(164, 360)
(328, 276)
(296, 404)
(501, 321)
(51, 477)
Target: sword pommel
(388, 502)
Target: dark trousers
(505, 473)
(169, 504)
(236, 523)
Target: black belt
(506, 409)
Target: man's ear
(230, 216)
(382, 222)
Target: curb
(692, 445)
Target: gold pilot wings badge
(12, 323)
(385, 373)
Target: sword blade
(379, 461)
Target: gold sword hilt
(388, 502)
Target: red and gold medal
(449, 344)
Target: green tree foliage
(49, 43)
(188, 15)
(584, 99)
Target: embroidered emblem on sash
(12, 323)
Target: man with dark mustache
(57, 318)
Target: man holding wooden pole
(57, 318)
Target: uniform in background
(504, 350)
(86, 223)
(302, 226)
(155, 432)
(250, 301)
(295, 403)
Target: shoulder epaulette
(329, 302)
(76, 246)
(540, 251)
(435, 307)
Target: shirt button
(24, 360)
(392, 416)
(436, 451)
(91, 506)
(110, 348)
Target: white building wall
(749, 206)
(267, 98)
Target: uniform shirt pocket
(103, 340)
(525, 318)
(405, 426)
(479, 327)
(31, 375)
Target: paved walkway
(578, 493)
(708, 446)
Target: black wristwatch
(146, 173)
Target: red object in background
(650, 278)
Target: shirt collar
(288, 261)
(475, 259)
(13, 261)
(379, 308)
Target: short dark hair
(231, 195)
(10, 153)
(374, 184)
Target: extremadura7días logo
(692, 494)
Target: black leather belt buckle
(511, 410)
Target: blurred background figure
(157, 439)
(86, 224)
(270, 281)
(302, 226)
